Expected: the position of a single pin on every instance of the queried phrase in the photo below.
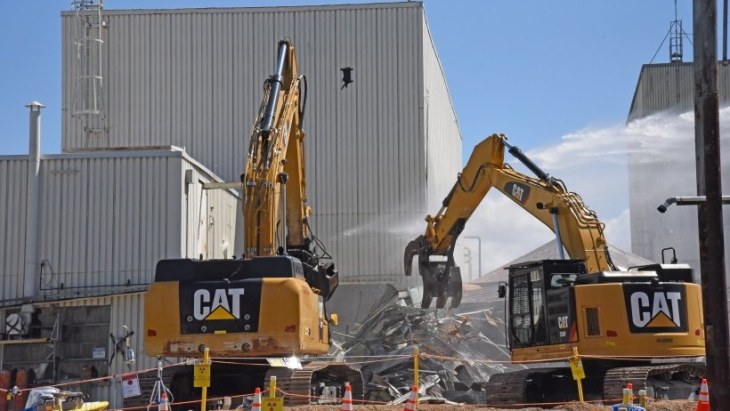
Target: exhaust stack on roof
(32, 264)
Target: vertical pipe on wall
(30, 284)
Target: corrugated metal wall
(193, 78)
(670, 86)
(107, 218)
(443, 137)
(13, 192)
(654, 178)
(126, 309)
(210, 222)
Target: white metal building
(660, 169)
(381, 152)
(105, 219)
(377, 149)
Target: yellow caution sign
(576, 367)
(201, 375)
(272, 403)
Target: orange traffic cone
(163, 405)
(411, 403)
(703, 403)
(256, 404)
(347, 399)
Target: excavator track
(550, 385)
(672, 381)
(514, 389)
(306, 385)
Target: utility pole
(709, 213)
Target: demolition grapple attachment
(441, 279)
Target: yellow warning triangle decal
(220, 313)
(661, 320)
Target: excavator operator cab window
(528, 320)
(558, 280)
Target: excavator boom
(546, 198)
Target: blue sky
(556, 77)
(534, 70)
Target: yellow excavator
(622, 323)
(269, 306)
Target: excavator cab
(540, 306)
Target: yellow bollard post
(576, 367)
(273, 402)
(626, 397)
(272, 387)
(416, 376)
(204, 396)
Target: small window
(562, 280)
(593, 326)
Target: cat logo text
(656, 310)
(218, 304)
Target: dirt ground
(654, 406)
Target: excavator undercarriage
(604, 382)
(316, 382)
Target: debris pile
(459, 351)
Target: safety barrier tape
(358, 360)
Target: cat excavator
(269, 307)
(641, 325)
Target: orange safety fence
(356, 360)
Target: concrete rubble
(459, 350)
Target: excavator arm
(576, 227)
(275, 157)
(275, 208)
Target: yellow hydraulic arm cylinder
(275, 165)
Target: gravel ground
(654, 406)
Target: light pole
(467, 259)
(479, 254)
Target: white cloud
(506, 232)
(618, 230)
